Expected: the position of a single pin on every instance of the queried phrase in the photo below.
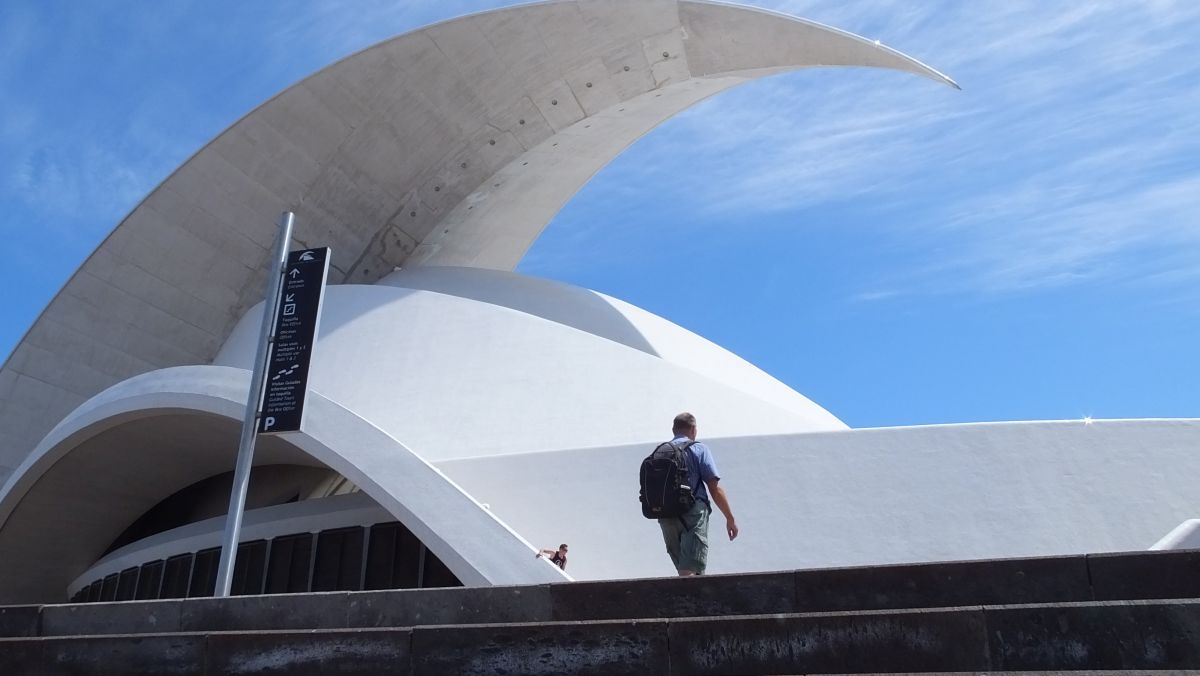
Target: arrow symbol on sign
(294, 272)
(291, 298)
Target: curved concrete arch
(453, 144)
(98, 480)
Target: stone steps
(1115, 635)
(1098, 612)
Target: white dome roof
(461, 362)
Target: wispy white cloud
(1068, 159)
(1069, 150)
(876, 295)
(63, 157)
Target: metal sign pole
(241, 473)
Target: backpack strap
(686, 447)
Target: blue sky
(900, 252)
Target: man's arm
(719, 497)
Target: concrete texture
(708, 625)
(923, 640)
(20, 657)
(1137, 636)
(1036, 580)
(326, 610)
(126, 617)
(603, 648)
(710, 595)
(940, 585)
(410, 608)
(1131, 635)
(312, 653)
(152, 655)
(1173, 575)
(20, 621)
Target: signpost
(289, 326)
(297, 316)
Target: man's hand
(717, 491)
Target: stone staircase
(1103, 613)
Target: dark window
(127, 584)
(338, 564)
(94, 591)
(108, 592)
(176, 574)
(149, 580)
(288, 566)
(209, 498)
(437, 574)
(248, 569)
(393, 557)
(204, 572)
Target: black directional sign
(296, 321)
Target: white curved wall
(106, 482)
(453, 377)
(868, 496)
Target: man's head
(562, 548)
(684, 426)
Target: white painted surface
(104, 486)
(868, 496)
(1184, 536)
(531, 365)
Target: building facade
(460, 414)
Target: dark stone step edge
(1095, 577)
(1145, 635)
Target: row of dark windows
(383, 556)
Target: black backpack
(666, 489)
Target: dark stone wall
(1135, 611)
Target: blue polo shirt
(701, 467)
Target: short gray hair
(683, 422)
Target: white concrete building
(459, 413)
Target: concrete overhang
(454, 144)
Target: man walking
(686, 536)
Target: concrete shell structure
(482, 410)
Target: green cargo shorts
(686, 538)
